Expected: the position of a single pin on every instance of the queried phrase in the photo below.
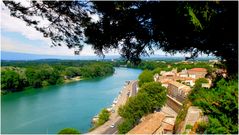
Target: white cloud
(12, 24)
(15, 46)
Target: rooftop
(198, 70)
(150, 125)
(177, 84)
(181, 86)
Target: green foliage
(182, 114)
(157, 71)
(69, 131)
(153, 96)
(199, 82)
(145, 76)
(134, 108)
(103, 117)
(151, 65)
(43, 76)
(194, 19)
(124, 127)
(96, 70)
(189, 126)
(18, 75)
(156, 93)
(220, 104)
(12, 80)
(72, 72)
(202, 126)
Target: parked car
(112, 126)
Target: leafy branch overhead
(139, 28)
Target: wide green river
(49, 109)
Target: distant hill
(27, 56)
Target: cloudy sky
(17, 37)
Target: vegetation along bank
(16, 76)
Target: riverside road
(115, 119)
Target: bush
(69, 131)
(103, 117)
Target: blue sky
(17, 37)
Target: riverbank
(110, 127)
(65, 81)
(73, 79)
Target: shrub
(69, 131)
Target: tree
(69, 131)
(157, 71)
(138, 28)
(11, 80)
(134, 108)
(157, 94)
(72, 72)
(125, 127)
(145, 76)
(103, 117)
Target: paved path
(115, 119)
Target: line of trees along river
(15, 76)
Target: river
(50, 109)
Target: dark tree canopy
(138, 28)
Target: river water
(49, 109)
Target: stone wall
(174, 104)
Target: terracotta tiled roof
(182, 87)
(198, 70)
(168, 73)
(177, 84)
(186, 89)
(165, 81)
(167, 127)
(149, 125)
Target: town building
(183, 73)
(150, 125)
(156, 123)
(197, 73)
(178, 90)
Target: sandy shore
(74, 79)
